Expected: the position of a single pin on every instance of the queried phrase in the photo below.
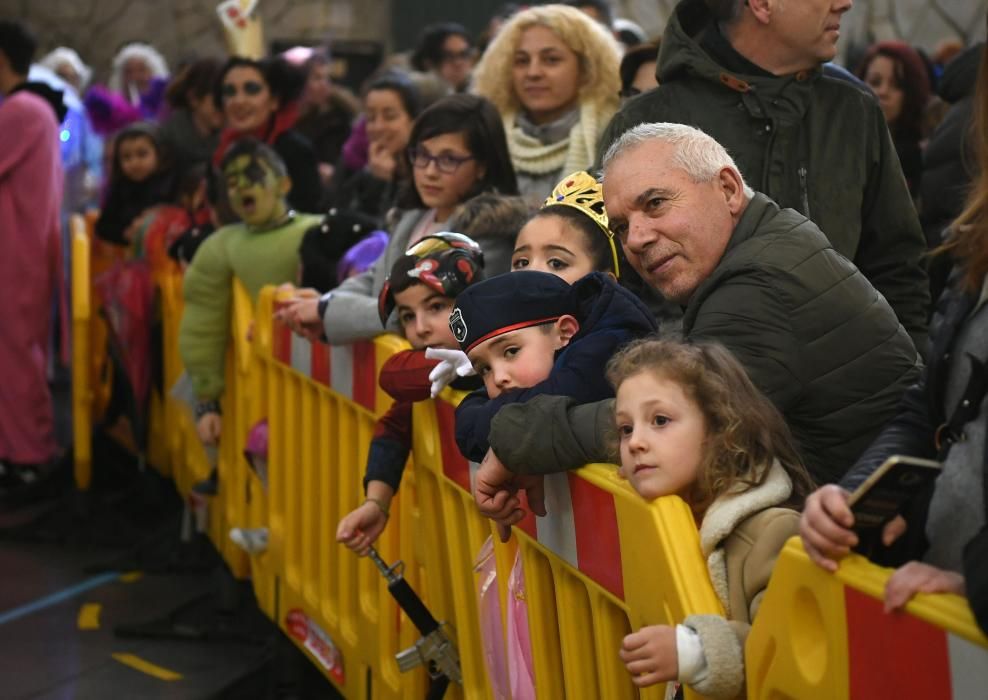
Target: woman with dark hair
(259, 99)
(367, 176)
(897, 74)
(327, 111)
(191, 131)
(456, 151)
(446, 50)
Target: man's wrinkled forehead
(253, 170)
(641, 168)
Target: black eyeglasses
(251, 87)
(446, 162)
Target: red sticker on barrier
(315, 640)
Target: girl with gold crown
(569, 236)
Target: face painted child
(257, 187)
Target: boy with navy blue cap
(528, 333)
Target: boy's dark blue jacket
(610, 316)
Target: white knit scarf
(575, 152)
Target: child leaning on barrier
(422, 286)
(690, 423)
(529, 333)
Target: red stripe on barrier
(365, 374)
(598, 543)
(455, 466)
(893, 655)
(320, 363)
(282, 343)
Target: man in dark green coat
(749, 74)
(811, 331)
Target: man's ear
(567, 326)
(761, 10)
(732, 187)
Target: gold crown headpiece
(581, 191)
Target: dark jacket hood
(683, 53)
(961, 75)
(603, 304)
(49, 94)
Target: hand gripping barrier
(322, 403)
(822, 635)
(601, 564)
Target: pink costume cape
(30, 201)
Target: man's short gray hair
(700, 156)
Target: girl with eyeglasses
(456, 151)
(259, 99)
(552, 72)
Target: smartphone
(892, 485)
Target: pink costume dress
(30, 201)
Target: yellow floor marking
(147, 667)
(89, 616)
(131, 576)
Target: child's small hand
(208, 427)
(650, 655)
(360, 528)
(917, 577)
(452, 364)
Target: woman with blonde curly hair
(552, 73)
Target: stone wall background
(184, 28)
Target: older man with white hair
(812, 332)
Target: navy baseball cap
(509, 302)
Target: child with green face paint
(260, 249)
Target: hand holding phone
(883, 494)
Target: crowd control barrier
(601, 564)
(322, 404)
(822, 635)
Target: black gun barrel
(413, 606)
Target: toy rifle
(435, 649)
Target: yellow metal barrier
(322, 403)
(601, 564)
(822, 635)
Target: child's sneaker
(252, 540)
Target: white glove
(452, 364)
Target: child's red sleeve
(405, 375)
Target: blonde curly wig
(597, 50)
